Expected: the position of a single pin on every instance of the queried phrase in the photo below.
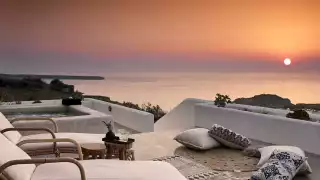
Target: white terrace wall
(267, 128)
(271, 111)
(180, 117)
(137, 120)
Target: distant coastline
(62, 77)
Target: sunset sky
(253, 34)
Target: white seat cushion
(109, 170)
(81, 138)
(13, 136)
(9, 152)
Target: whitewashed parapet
(134, 119)
(263, 127)
(271, 111)
(181, 117)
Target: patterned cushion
(281, 166)
(229, 138)
(266, 152)
(197, 138)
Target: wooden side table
(120, 149)
(93, 151)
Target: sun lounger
(47, 147)
(15, 164)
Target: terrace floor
(149, 146)
(158, 144)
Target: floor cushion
(197, 138)
(282, 165)
(266, 152)
(229, 138)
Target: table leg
(85, 154)
(122, 154)
(109, 152)
(85, 157)
(94, 156)
(102, 154)
(130, 155)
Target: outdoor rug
(220, 159)
(188, 168)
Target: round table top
(93, 146)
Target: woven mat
(189, 168)
(220, 159)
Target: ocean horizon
(168, 89)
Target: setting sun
(287, 61)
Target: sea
(168, 89)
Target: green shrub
(299, 114)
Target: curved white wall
(134, 119)
(180, 117)
(267, 128)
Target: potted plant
(222, 100)
(74, 99)
(110, 136)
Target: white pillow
(266, 152)
(197, 138)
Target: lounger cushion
(109, 169)
(266, 152)
(229, 138)
(81, 138)
(197, 138)
(13, 136)
(9, 152)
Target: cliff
(265, 100)
(30, 89)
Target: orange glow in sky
(276, 28)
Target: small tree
(77, 95)
(222, 100)
(56, 81)
(156, 110)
